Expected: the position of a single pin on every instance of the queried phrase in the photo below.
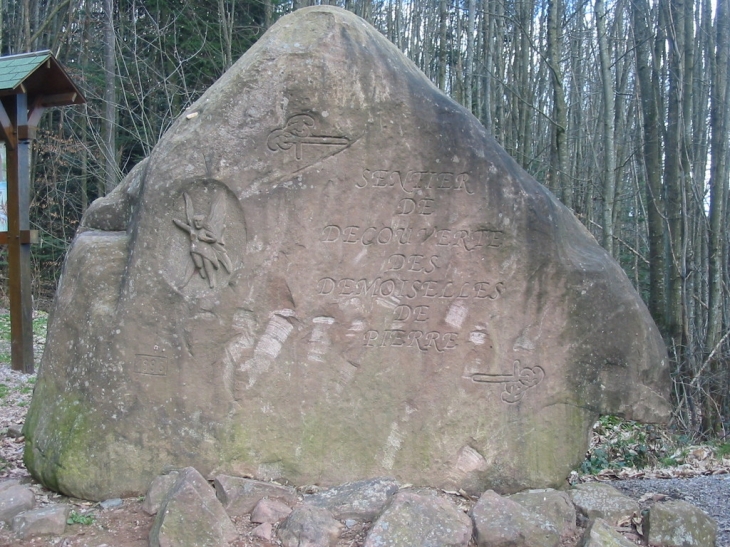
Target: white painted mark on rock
(277, 331)
(456, 315)
(319, 341)
(392, 445)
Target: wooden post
(29, 83)
(19, 274)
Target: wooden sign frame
(29, 83)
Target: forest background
(620, 107)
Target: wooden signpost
(29, 83)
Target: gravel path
(709, 493)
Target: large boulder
(328, 271)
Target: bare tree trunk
(720, 127)
(523, 138)
(559, 149)
(26, 26)
(621, 82)
(674, 175)
(609, 152)
(497, 107)
(488, 29)
(575, 114)
(455, 61)
(225, 18)
(470, 31)
(443, 14)
(649, 89)
(109, 122)
(719, 116)
(268, 13)
(85, 117)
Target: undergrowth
(619, 444)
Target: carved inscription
(299, 131)
(408, 289)
(515, 384)
(413, 279)
(152, 365)
(405, 312)
(399, 338)
(469, 240)
(411, 182)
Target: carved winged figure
(207, 248)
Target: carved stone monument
(327, 270)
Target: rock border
(381, 513)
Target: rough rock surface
(427, 516)
(46, 521)
(361, 500)
(15, 499)
(426, 521)
(239, 495)
(157, 491)
(501, 522)
(601, 534)
(334, 263)
(190, 514)
(598, 500)
(309, 526)
(710, 493)
(679, 524)
(270, 511)
(263, 531)
(551, 505)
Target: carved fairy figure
(207, 247)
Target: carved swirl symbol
(515, 384)
(528, 378)
(298, 132)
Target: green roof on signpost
(39, 75)
(16, 68)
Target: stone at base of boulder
(239, 496)
(551, 505)
(157, 491)
(426, 521)
(112, 503)
(310, 526)
(263, 531)
(15, 499)
(428, 514)
(4, 485)
(602, 534)
(502, 522)
(190, 514)
(361, 500)
(271, 511)
(47, 521)
(679, 524)
(597, 500)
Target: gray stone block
(425, 521)
(46, 521)
(190, 514)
